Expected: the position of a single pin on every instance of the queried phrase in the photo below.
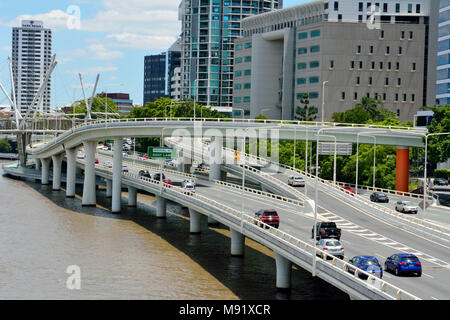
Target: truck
(326, 230)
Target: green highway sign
(161, 152)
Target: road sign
(161, 152)
(342, 149)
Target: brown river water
(132, 255)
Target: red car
(348, 190)
(96, 160)
(167, 181)
(269, 217)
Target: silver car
(296, 181)
(189, 187)
(406, 207)
(188, 181)
(331, 246)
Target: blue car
(401, 263)
(367, 263)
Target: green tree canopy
(368, 110)
(305, 112)
(98, 105)
(439, 146)
(165, 107)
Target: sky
(110, 37)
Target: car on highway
(267, 217)
(369, 264)
(406, 207)
(108, 164)
(379, 197)
(326, 230)
(124, 154)
(144, 173)
(96, 161)
(189, 187)
(296, 181)
(331, 246)
(188, 181)
(402, 263)
(348, 189)
(124, 168)
(441, 182)
(168, 181)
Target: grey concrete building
(209, 28)
(338, 52)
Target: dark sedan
(379, 197)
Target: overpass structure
(364, 227)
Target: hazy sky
(112, 38)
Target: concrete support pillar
(71, 155)
(45, 173)
(117, 175)
(402, 169)
(216, 158)
(57, 163)
(132, 196)
(237, 243)
(38, 164)
(89, 195)
(161, 207)
(108, 188)
(195, 221)
(284, 271)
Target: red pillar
(402, 169)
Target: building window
(358, 49)
(331, 64)
(370, 81)
(352, 65)
(381, 65)
(417, 8)
(386, 81)
(314, 49)
(397, 8)
(343, 95)
(360, 64)
(355, 96)
(238, 47)
(313, 79)
(385, 7)
(388, 50)
(237, 73)
(248, 59)
(339, 17)
(336, 5)
(313, 95)
(238, 60)
(400, 50)
(303, 35)
(402, 35)
(301, 81)
(247, 72)
(358, 80)
(301, 65)
(382, 34)
(399, 81)
(414, 66)
(237, 86)
(372, 67)
(410, 7)
(361, 6)
(314, 64)
(315, 33)
(413, 98)
(411, 35)
(371, 50)
(396, 97)
(247, 85)
(246, 99)
(397, 66)
(237, 100)
(302, 50)
(248, 45)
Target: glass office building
(209, 28)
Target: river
(132, 255)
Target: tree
(5, 146)
(307, 112)
(439, 146)
(98, 105)
(165, 107)
(355, 115)
(368, 110)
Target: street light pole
(323, 100)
